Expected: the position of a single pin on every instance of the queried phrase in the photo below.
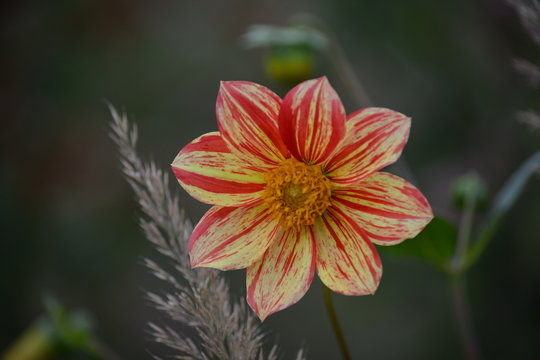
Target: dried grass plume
(223, 327)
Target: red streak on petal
(261, 106)
(210, 143)
(230, 240)
(215, 185)
(364, 195)
(203, 226)
(417, 195)
(366, 240)
(343, 273)
(251, 289)
(312, 121)
(377, 211)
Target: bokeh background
(69, 222)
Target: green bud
(470, 187)
(289, 65)
(291, 50)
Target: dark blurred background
(69, 222)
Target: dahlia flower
(296, 189)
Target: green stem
(504, 200)
(462, 318)
(355, 87)
(464, 234)
(347, 75)
(460, 305)
(478, 247)
(339, 61)
(335, 323)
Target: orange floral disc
(297, 193)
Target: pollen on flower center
(297, 193)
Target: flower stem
(338, 59)
(347, 75)
(335, 323)
(350, 79)
(462, 318)
(457, 269)
(464, 234)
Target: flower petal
(312, 120)
(347, 262)
(283, 275)
(210, 173)
(228, 238)
(247, 115)
(375, 139)
(386, 206)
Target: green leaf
(435, 244)
(504, 200)
(70, 330)
(511, 190)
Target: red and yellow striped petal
(247, 115)
(375, 139)
(210, 173)
(312, 120)
(347, 262)
(386, 206)
(284, 273)
(230, 238)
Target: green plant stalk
(464, 235)
(460, 304)
(329, 303)
(339, 61)
(356, 88)
(462, 318)
(481, 242)
(346, 74)
(504, 200)
(464, 257)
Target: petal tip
(264, 314)
(225, 85)
(261, 314)
(262, 317)
(228, 84)
(194, 263)
(320, 82)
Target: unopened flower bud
(470, 187)
(289, 65)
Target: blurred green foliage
(435, 244)
(57, 334)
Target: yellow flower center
(297, 193)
